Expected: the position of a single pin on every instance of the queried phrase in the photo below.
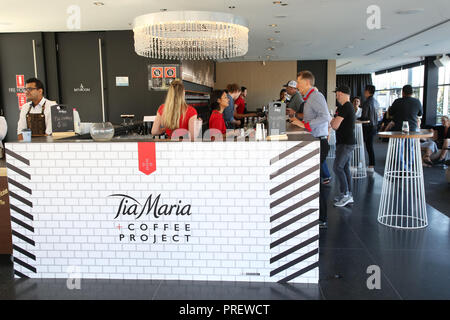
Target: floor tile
(417, 274)
(49, 289)
(182, 290)
(343, 275)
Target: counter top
(294, 133)
(422, 134)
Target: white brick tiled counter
(253, 212)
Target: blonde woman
(175, 113)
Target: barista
(35, 114)
(295, 105)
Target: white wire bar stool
(358, 162)
(332, 144)
(402, 203)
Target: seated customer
(387, 123)
(175, 113)
(436, 149)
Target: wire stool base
(358, 163)
(405, 220)
(332, 144)
(402, 203)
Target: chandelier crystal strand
(190, 35)
(220, 41)
(228, 42)
(154, 41)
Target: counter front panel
(242, 211)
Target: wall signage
(147, 157)
(147, 224)
(62, 118)
(122, 82)
(170, 72)
(19, 90)
(157, 72)
(22, 99)
(162, 75)
(81, 88)
(20, 81)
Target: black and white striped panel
(21, 206)
(294, 192)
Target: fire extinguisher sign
(20, 81)
(22, 99)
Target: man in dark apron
(35, 114)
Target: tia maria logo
(129, 206)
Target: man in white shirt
(3, 132)
(34, 90)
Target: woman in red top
(218, 102)
(175, 113)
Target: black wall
(51, 66)
(79, 64)
(319, 68)
(121, 60)
(66, 60)
(16, 57)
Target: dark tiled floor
(238, 290)
(343, 276)
(48, 289)
(414, 264)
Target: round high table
(402, 203)
(358, 163)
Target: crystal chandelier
(190, 35)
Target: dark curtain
(356, 82)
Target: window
(443, 106)
(389, 84)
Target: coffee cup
(26, 135)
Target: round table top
(362, 121)
(410, 135)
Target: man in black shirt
(406, 108)
(344, 124)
